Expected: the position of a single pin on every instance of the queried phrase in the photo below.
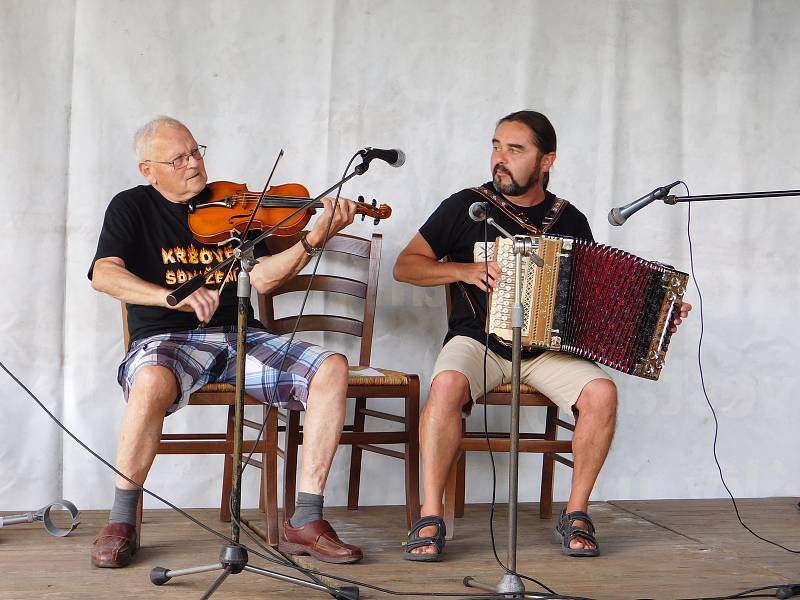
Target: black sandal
(415, 541)
(566, 531)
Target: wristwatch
(310, 250)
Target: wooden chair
(545, 442)
(221, 394)
(361, 385)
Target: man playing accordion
(523, 152)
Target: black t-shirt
(152, 235)
(452, 233)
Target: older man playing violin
(145, 249)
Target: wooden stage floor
(650, 549)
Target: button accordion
(588, 299)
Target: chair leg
(227, 472)
(460, 493)
(461, 476)
(139, 511)
(412, 450)
(546, 496)
(269, 476)
(548, 466)
(450, 495)
(290, 463)
(354, 484)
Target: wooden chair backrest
(364, 288)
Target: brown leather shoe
(114, 546)
(318, 539)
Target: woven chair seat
(523, 389)
(217, 387)
(387, 378)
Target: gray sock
(124, 509)
(308, 507)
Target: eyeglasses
(182, 161)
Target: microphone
(394, 157)
(617, 216)
(478, 211)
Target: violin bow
(249, 223)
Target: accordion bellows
(588, 299)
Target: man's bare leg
(594, 430)
(440, 436)
(306, 532)
(152, 393)
(154, 390)
(322, 428)
(439, 439)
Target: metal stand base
(232, 556)
(510, 586)
(232, 561)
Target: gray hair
(145, 134)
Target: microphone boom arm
(738, 196)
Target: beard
(514, 187)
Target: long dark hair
(544, 135)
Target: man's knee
(332, 370)
(154, 388)
(449, 389)
(598, 397)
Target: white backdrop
(640, 93)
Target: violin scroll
(384, 211)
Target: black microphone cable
(277, 554)
(279, 558)
(782, 591)
(142, 488)
(703, 382)
(270, 404)
(272, 556)
(281, 561)
(270, 401)
(486, 423)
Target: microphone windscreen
(615, 217)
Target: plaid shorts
(204, 356)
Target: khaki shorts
(558, 375)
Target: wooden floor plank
(650, 549)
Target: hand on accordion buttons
(683, 312)
(476, 274)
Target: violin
(226, 212)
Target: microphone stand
(233, 558)
(511, 583)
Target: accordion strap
(552, 215)
(513, 212)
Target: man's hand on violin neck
(339, 218)
(203, 303)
